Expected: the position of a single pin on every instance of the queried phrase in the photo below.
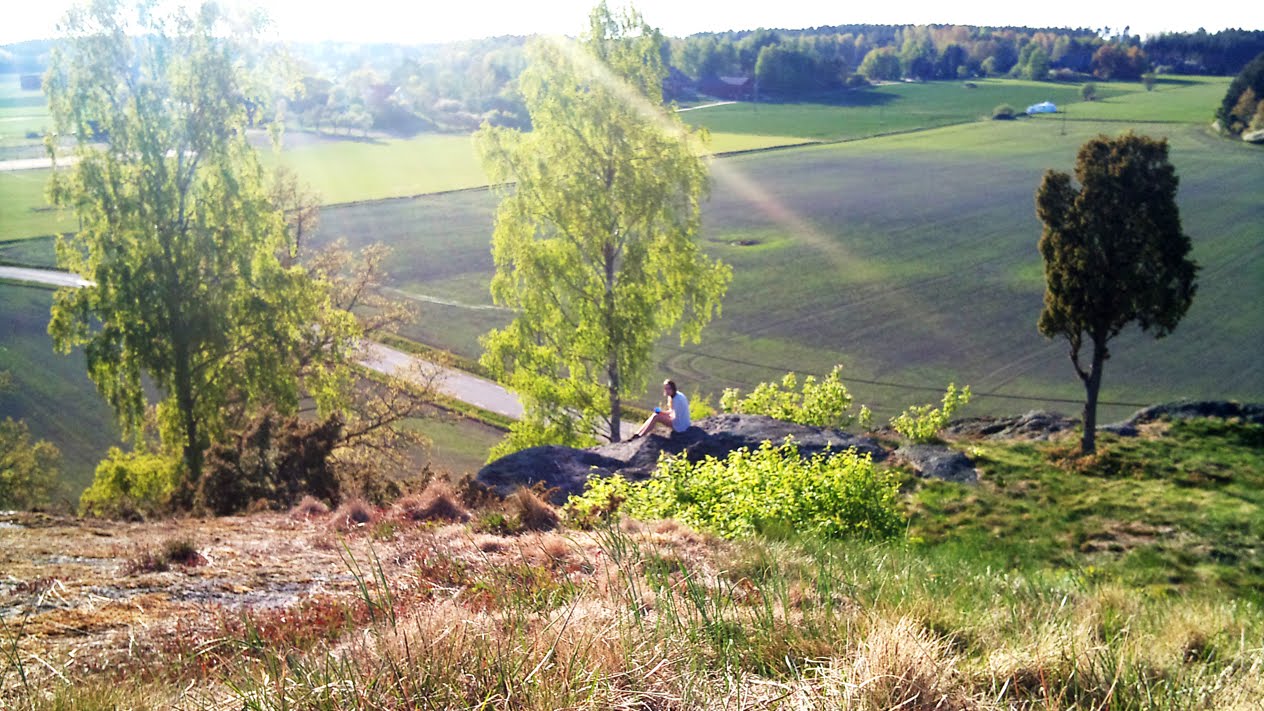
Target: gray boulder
(1035, 425)
(933, 461)
(1249, 412)
(566, 470)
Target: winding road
(454, 383)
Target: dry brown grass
(647, 616)
(309, 507)
(354, 514)
(437, 502)
(532, 512)
(901, 665)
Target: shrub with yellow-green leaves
(833, 495)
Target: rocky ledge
(565, 470)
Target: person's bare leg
(660, 417)
(649, 424)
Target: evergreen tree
(1114, 253)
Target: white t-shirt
(680, 412)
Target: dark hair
(670, 384)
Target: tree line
(346, 87)
(790, 61)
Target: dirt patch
(1119, 537)
(70, 589)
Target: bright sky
(423, 22)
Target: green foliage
(595, 245)
(1114, 252)
(786, 71)
(824, 403)
(880, 64)
(29, 471)
(524, 434)
(833, 495)
(1036, 67)
(699, 406)
(921, 423)
(1088, 91)
(131, 483)
(276, 461)
(178, 232)
(1233, 112)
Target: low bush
(177, 551)
(310, 506)
(921, 423)
(1004, 112)
(28, 470)
(274, 459)
(832, 495)
(824, 403)
(128, 484)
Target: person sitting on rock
(676, 416)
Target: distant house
(733, 88)
(677, 85)
(1044, 107)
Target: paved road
(9, 166)
(454, 383)
(43, 276)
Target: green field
(880, 110)
(344, 169)
(21, 112)
(52, 391)
(24, 213)
(1183, 99)
(910, 259)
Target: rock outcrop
(566, 470)
(1248, 412)
(1036, 425)
(935, 461)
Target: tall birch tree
(596, 237)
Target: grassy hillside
(51, 391)
(911, 259)
(1131, 581)
(53, 394)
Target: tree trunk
(184, 401)
(616, 404)
(612, 363)
(1092, 384)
